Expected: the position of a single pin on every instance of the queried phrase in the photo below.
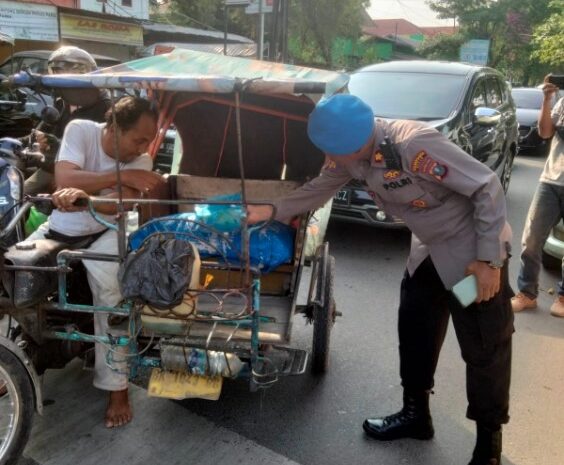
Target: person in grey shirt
(455, 207)
(546, 209)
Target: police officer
(71, 104)
(455, 208)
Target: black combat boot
(488, 446)
(412, 421)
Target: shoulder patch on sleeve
(424, 164)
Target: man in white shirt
(86, 165)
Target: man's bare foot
(118, 412)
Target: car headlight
(16, 181)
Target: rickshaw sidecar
(242, 125)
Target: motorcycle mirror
(50, 115)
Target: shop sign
(29, 21)
(475, 51)
(253, 8)
(100, 30)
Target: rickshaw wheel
(17, 404)
(324, 316)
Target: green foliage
(315, 24)
(549, 38)
(442, 47)
(208, 14)
(508, 24)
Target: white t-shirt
(553, 172)
(82, 146)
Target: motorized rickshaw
(242, 126)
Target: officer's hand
(141, 180)
(258, 213)
(64, 199)
(488, 279)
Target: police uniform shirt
(453, 204)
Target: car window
(494, 95)
(6, 68)
(527, 98)
(404, 95)
(35, 65)
(478, 96)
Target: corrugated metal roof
(6, 38)
(234, 50)
(191, 31)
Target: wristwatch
(496, 264)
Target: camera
(557, 80)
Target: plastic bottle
(174, 358)
(132, 221)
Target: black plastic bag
(159, 272)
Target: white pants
(110, 369)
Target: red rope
(227, 123)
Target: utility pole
(261, 31)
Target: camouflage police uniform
(455, 208)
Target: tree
(549, 37)
(315, 24)
(508, 24)
(207, 14)
(442, 47)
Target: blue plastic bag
(224, 218)
(269, 247)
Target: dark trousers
(484, 334)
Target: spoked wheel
(17, 407)
(324, 311)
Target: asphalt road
(317, 421)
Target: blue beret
(341, 124)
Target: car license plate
(180, 385)
(343, 197)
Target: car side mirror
(484, 116)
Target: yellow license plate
(179, 385)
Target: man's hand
(488, 278)
(548, 89)
(43, 141)
(63, 199)
(140, 180)
(258, 213)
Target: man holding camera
(546, 209)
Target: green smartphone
(466, 290)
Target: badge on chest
(395, 180)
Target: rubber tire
(550, 262)
(323, 318)
(25, 392)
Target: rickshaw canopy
(196, 92)
(191, 71)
